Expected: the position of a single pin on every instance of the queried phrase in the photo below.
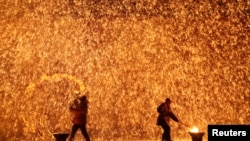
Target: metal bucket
(61, 136)
(196, 136)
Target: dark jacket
(165, 114)
(79, 109)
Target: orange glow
(194, 130)
(129, 56)
(56, 77)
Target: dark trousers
(75, 127)
(166, 136)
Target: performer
(79, 109)
(165, 114)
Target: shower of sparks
(130, 55)
(57, 77)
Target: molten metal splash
(130, 55)
(56, 77)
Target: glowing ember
(194, 130)
(130, 55)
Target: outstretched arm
(172, 116)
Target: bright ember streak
(124, 53)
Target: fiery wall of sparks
(130, 55)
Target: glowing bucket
(195, 134)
